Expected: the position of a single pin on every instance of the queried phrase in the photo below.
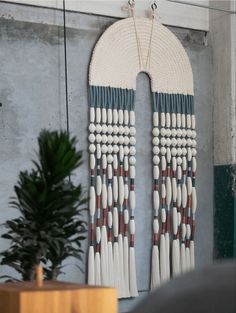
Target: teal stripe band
(124, 99)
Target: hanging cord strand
(66, 70)
(153, 7)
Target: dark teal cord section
(124, 99)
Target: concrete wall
(32, 97)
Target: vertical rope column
(132, 162)
(92, 197)
(155, 265)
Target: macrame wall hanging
(126, 48)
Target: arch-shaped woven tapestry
(125, 49)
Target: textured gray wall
(32, 97)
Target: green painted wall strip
(224, 213)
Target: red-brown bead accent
(104, 216)
(115, 172)
(120, 223)
(131, 242)
(163, 228)
(109, 234)
(155, 239)
(189, 202)
(156, 187)
(125, 229)
(104, 171)
(98, 200)
(126, 201)
(121, 171)
(97, 247)
(92, 172)
(126, 173)
(132, 187)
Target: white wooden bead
(174, 189)
(163, 150)
(92, 201)
(92, 148)
(184, 195)
(121, 153)
(163, 131)
(194, 143)
(184, 163)
(126, 150)
(115, 116)
(98, 234)
(109, 219)
(163, 141)
(121, 130)
(132, 118)
(189, 185)
(179, 172)
(163, 190)
(184, 132)
(126, 117)
(92, 115)
(99, 151)
(188, 121)
(104, 149)
(174, 151)
(98, 185)
(104, 115)
(126, 130)
(115, 221)
(121, 116)
(173, 132)
(115, 188)
(104, 161)
(104, 196)
(163, 215)
(183, 120)
(167, 119)
(126, 217)
(98, 115)
(194, 164)
(194, 134)
(109, 116)
(115, 148)
(92, 161)
(109, 158)
(104, 139)
(98, 128)
(126, 140)
(156, 150)
(193, 122)
(155, 119)
(194, 152)
(132, 160)
(115, 140)
(194, 200)
(189, 133)
(168, 190)
(109, 195)
(156, 200)
(179, 132)
(132, 141)
(115, 129)
(110, 129)
(132, 199)
(110, 149)
(173, 142)
(184, 151)
(175, 221)
(126, 163)
(179, 151)
(163, 119)
(132, 150)
(178, 119)
(98, 138)
(132, 172)
(110, 139)
(91, 138)
(179, 142)
(168, 132)
(132, 227)
(174, 164)
(155, 141)
(168, 155)
(121, 140)
(168, 142)
(163, 163)
(179, 160)
(132, 131)
(184, 142)
(156, 172)
(155, 226)
(156, 160)
(155, 131)
(173, 119)
(121, 190)
(189, 142)
(183, 230)
(179, 218)
(126, 191)
(115, 161)
(179, 196)
(92, 127)
(188, 231)
(109, 169)
(189, 157)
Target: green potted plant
(50, 226)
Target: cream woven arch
(115, 61)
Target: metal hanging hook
(154, 6)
